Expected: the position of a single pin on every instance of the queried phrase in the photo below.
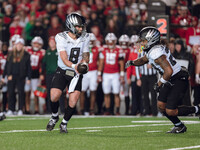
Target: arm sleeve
(137, 73)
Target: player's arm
(138, 62)
(164, 64)
(64, 57)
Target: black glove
(157, 88)
(129, 63)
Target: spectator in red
(55, 27)
(192, 31)
(110, 6)
(69, 4)
(15, 27)
(8, 14)
(184, 19)
(60, 12)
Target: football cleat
(63, 128)
(178, 129)
(52, 123)
(2, 117)
(198, 113)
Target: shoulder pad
(156, 51)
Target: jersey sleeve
(156, 53)
(86, 43)
(60, 43)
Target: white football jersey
(74, 48)
(159, 50)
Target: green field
(97, 133)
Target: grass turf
(112, 133)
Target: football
(82, 68)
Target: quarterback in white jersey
(73, 50)
(174, 81)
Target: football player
(73, 48)
(111, 63)
(90, 79)
(37, 54)
(174, 79)
(124, 45)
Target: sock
(174, 120)
(54, 115)
(64, 121)
(68, 113)
(186, 110)
(54, 107)
(127, 103)
(196, 109)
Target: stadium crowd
(30, 27)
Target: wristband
(122, 73)
(73, 66)
(99, 73)
(197, 76)
(163, 80)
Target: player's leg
(106, 85)
(27, 89)
(85, 85)
(34, 84)
(116, 90)
(164, 103)
(74, 96)
(126, 94)
(93, 87)
(59, 83)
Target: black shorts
(62, 78)
(173, 94)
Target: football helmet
(73, 20)
(111, 40)
(92, 40)
(37, 43)
(134, 39)
(124, 41)
(149, 34)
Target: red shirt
(2, 62)
(131, 70)
(94, 55)
(111, 58)
(36, 58)
(192, 31)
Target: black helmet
(151, 34)
(73, 20)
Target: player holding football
(174, 79)
(73, 48)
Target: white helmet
(134, 39)
(13, 39)
(38, 40)
(111, 40)
(92, 37)
(124, 41)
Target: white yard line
(163, 121)
(93, 131)
(84, 128)
(190, 147)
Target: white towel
(73, 83)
